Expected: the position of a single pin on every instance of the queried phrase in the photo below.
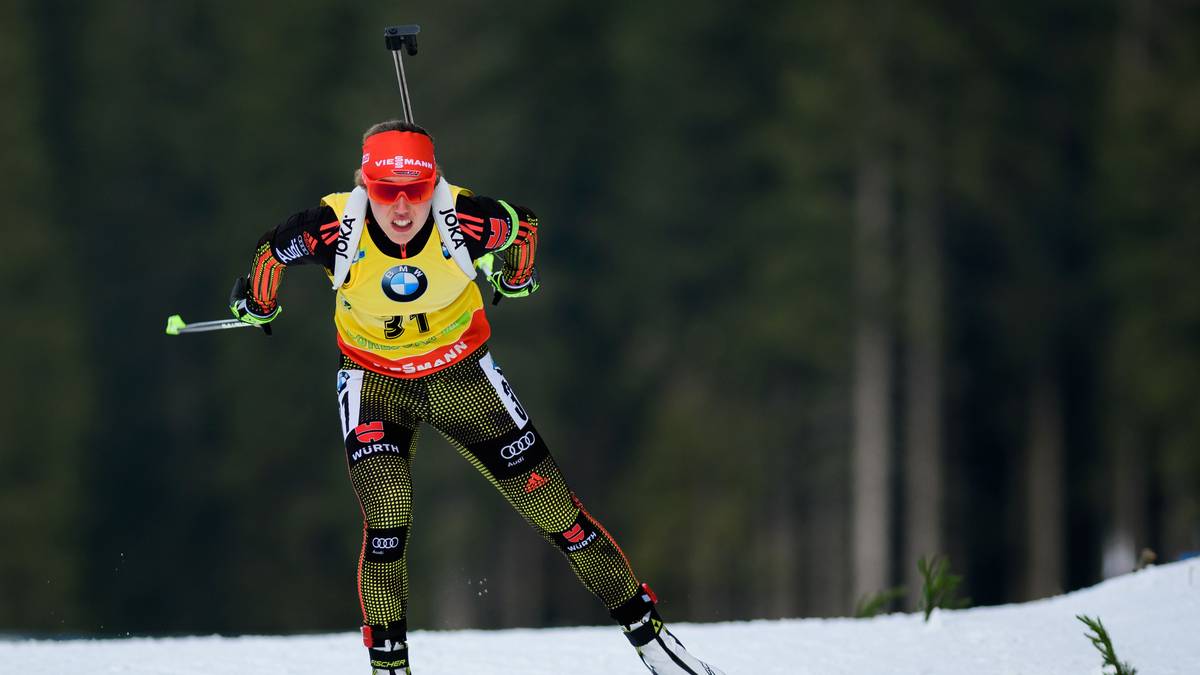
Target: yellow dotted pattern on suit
(466, 407)
(383, 485)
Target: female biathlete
(413, 339)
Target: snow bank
(1153, 617)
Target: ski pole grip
(398, 37)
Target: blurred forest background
(826, 287)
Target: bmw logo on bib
(404, 283)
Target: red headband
(399, 162)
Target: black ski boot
(660, 650)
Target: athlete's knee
(385, 544)
(378, 454)
(542, 496)
(511, 455)
(582, 532)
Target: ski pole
(396, 38)
(176, 325)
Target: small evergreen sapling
(1100, 639)
(939, 588)
(873, 605)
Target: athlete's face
(401, 220)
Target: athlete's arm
(305, 238)
(519, 256)
(490, 228)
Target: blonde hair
(391, 125)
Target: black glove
(247, 310)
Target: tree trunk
(783, 536)
(1180, 508)
(1044, 518)
(923, 472)
(872, 377)
(1127, 525)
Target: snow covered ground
(1153, 617)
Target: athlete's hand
(505, 288)
(246, 309)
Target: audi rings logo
(385, 543)
(518, 446)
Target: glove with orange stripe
(516, 276)
(252, 299)
(246, 309)
(504, 285)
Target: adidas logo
(535, 482)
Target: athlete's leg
(474, 406)
(380, 419)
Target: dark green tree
(49, 365)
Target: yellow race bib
(406, 317)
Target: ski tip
(174, 324)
